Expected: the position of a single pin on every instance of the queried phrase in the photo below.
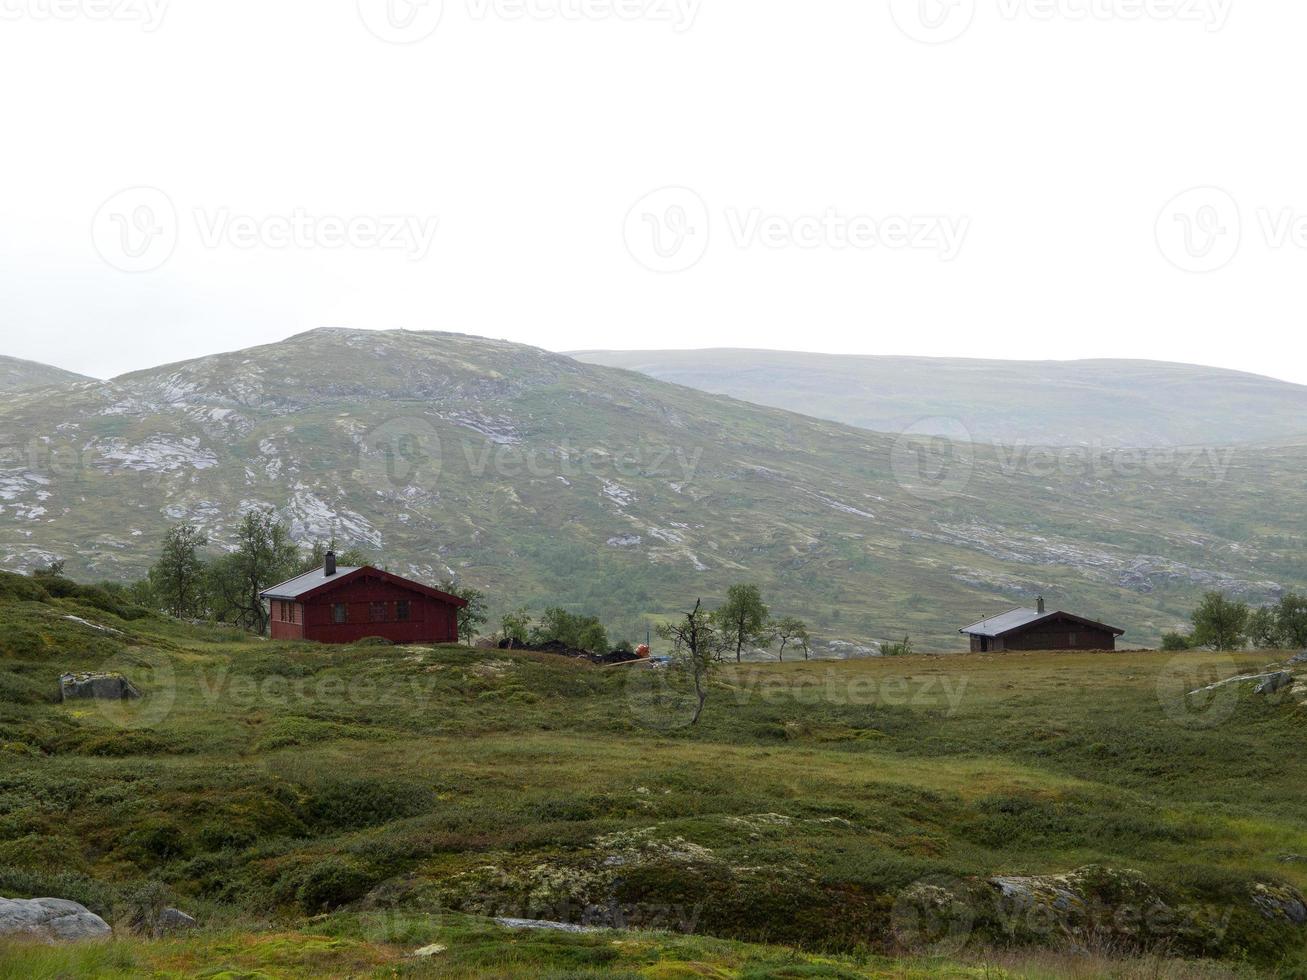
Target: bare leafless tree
(695, 646)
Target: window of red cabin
(340, 613)
(402, 611)
(377, 612)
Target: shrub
(155, 841)
(1176, 642)
(334, 882)
(349, 804)
(43, 851)
(17, 640)
(570, 629)
(903, 649)
(20, 588)
(374, 641)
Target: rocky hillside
(1048, 403)
(20, 375)
(544, 480)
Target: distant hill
(20, 375)
(1049, 403)
(543, 480)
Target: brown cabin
(1037, 629)
(347, 604)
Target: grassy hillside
(545, 481)
(1049, 403)
(20, 375)
(332, 810)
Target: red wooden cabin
(344, 605)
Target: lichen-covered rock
(100, 687)
(1281, 902)
(1080, 907)
(53, 920)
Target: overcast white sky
(1012, 175)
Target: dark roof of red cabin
(312, 584)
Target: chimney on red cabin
(1041, 598)
(330, 570)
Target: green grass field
(330, 811)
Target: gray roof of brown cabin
(1015, 620)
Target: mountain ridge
(17, 374)
(544, 480)
(1114, 402)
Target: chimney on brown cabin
(330, 570)
(1041, 603)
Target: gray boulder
(53, 920)
(101, 687)
(1299, 658)
(175, 920)
(1275, 682)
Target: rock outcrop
(1275, 683)
(175, 920)
(52, 920)
(100, 687)
(1082, 907)
(1280, 902)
